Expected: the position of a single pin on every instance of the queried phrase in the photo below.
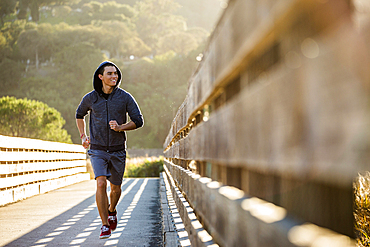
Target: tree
(29, 44)
(34, 6)
(113, 8)
(33, 119)
(12, 30)
(198, 13)
(10, 74)
(70, 51)
(156, 19)
(2, 46)
(120, 40)
(181, 43)
(61, 11)
(37, 44)
(6, 7)
(159, 85)
(69, 81)
(78, 62)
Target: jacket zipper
(106, 105)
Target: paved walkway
(69, 217)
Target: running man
(108, 106)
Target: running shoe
(105, 232)
(112, 220)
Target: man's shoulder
(122, 92)
(91, 96)
(91, 93)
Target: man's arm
(123, 127)
(81, 128)
(134, 112)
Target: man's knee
(115, 189)
(101, 182)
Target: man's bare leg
(102, 199)
(115, 194)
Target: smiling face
(109, 78)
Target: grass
(137, 167)
(361, 210)
(143, 167)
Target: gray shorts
(112, 165)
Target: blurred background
(279, 107)
(49, 50)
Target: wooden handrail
(29, 167)
(278, 107)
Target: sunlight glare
(84, 234)
(185, 242)
(231, 193)
(54, 234)
(204, 236)
(263, 210)
(44, 240)
(68, 223)
(311, 235)
(62, 228)
(77, 241)
(183, 234)
(90, 229)
(196, 224)
(310, 48)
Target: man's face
(110, 76)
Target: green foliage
(33, 119)
(7, 7)
(62, 87)
(129, 2)
(79, 61)
(123, 43)
(11, 31)
(109, 11)
(90, 12)
(362, 209)
(147, 168)
(204, 13)
(53, 60)
(34, 7)
(10, 74)
(156, 19)
(61, 11)
(181, 43)
(114, 8)
(160, 86)
(2, 41)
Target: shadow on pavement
(139, 221)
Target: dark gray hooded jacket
(102, 110)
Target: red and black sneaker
(112, 220)
(105, 232)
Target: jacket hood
(97, 83)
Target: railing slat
(27, 143)
(39, 166)
(29, 167)
(35, 177)
(20, 156)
